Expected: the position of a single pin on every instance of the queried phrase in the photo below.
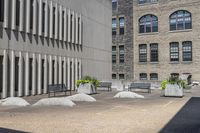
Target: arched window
(180, 20)
(148, 23)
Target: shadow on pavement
(187, 120)
(5, 130)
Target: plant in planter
(87, 85)
(173, 87)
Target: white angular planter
(87, 88)
(173, 90)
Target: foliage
(87, 79)
(173, 80)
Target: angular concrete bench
(105, 85)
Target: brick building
(166, 39)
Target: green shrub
(87, 79)
(173, 80)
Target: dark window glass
(114, 26)
(71, 27)
(187, 51)
(63, 22)
(147, 1)
(2, 11)
(54, 17)
(114, 4)
(175, 75)
(148, 23)
(121, 54)
(31, 14)
(174, 51)
(78, 28)
(17, 12)
(143, 76)
(142, 53)
(153, 76)
(121, 25)
(114, 76)
(114, 54)
(180, 20)
(121, 76)
(43, 17)
(154, 52)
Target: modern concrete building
(52, 41)
(122, 40)
(165, 39)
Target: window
(114, 76)
(114, 56)
(1, 10)
(174, 51)
(153, 76)
(63, 23)
(187, 51)
(174, 75)
(17, 12)
(71, 26)
(154, 52)
(143, 76)
(147, 1)
(121, 54)
(31, 14)
(142, 53)
(54, 17)
(180, 20)
(121, 76)
(121, 25)
(43, 17)
(114, 26)
(114, 4)
(148, 23)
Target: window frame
(123, 75)
(121, 54)
(148, 25)
(121, 27)
(114, 4)
(114, 75)
(147, 2)
(173, 53)
(114, 27)
(176, 17)
(142, 55)
(2, 8)
(186, 52)
(143, 78)
(154, 55)
(114, 55)
(153, 78)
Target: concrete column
(40, 18)
(56, 71)
(76, 71)
(12, 75)
(13, 24)
(5, 74)
(61, 23)
(20, 78)
(28, 7)
(69, 25)
(39, 91)
(80, 29)
(34, 75)
(46, 19)
(27, 75)
(56, 22)
(80, 69)
(68, 73)
(51, 20)
(65, 71)
(73, 75)
(45, 74)
(21, 25)
(73, 27)
(50, 69)
(60, 70)
(35, 16)
(6, 13)
(76, 31)
(65, 25)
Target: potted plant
(87, 85)
(173, 87)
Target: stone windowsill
(177, 31)
(150, 33)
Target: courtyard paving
(153, 114)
